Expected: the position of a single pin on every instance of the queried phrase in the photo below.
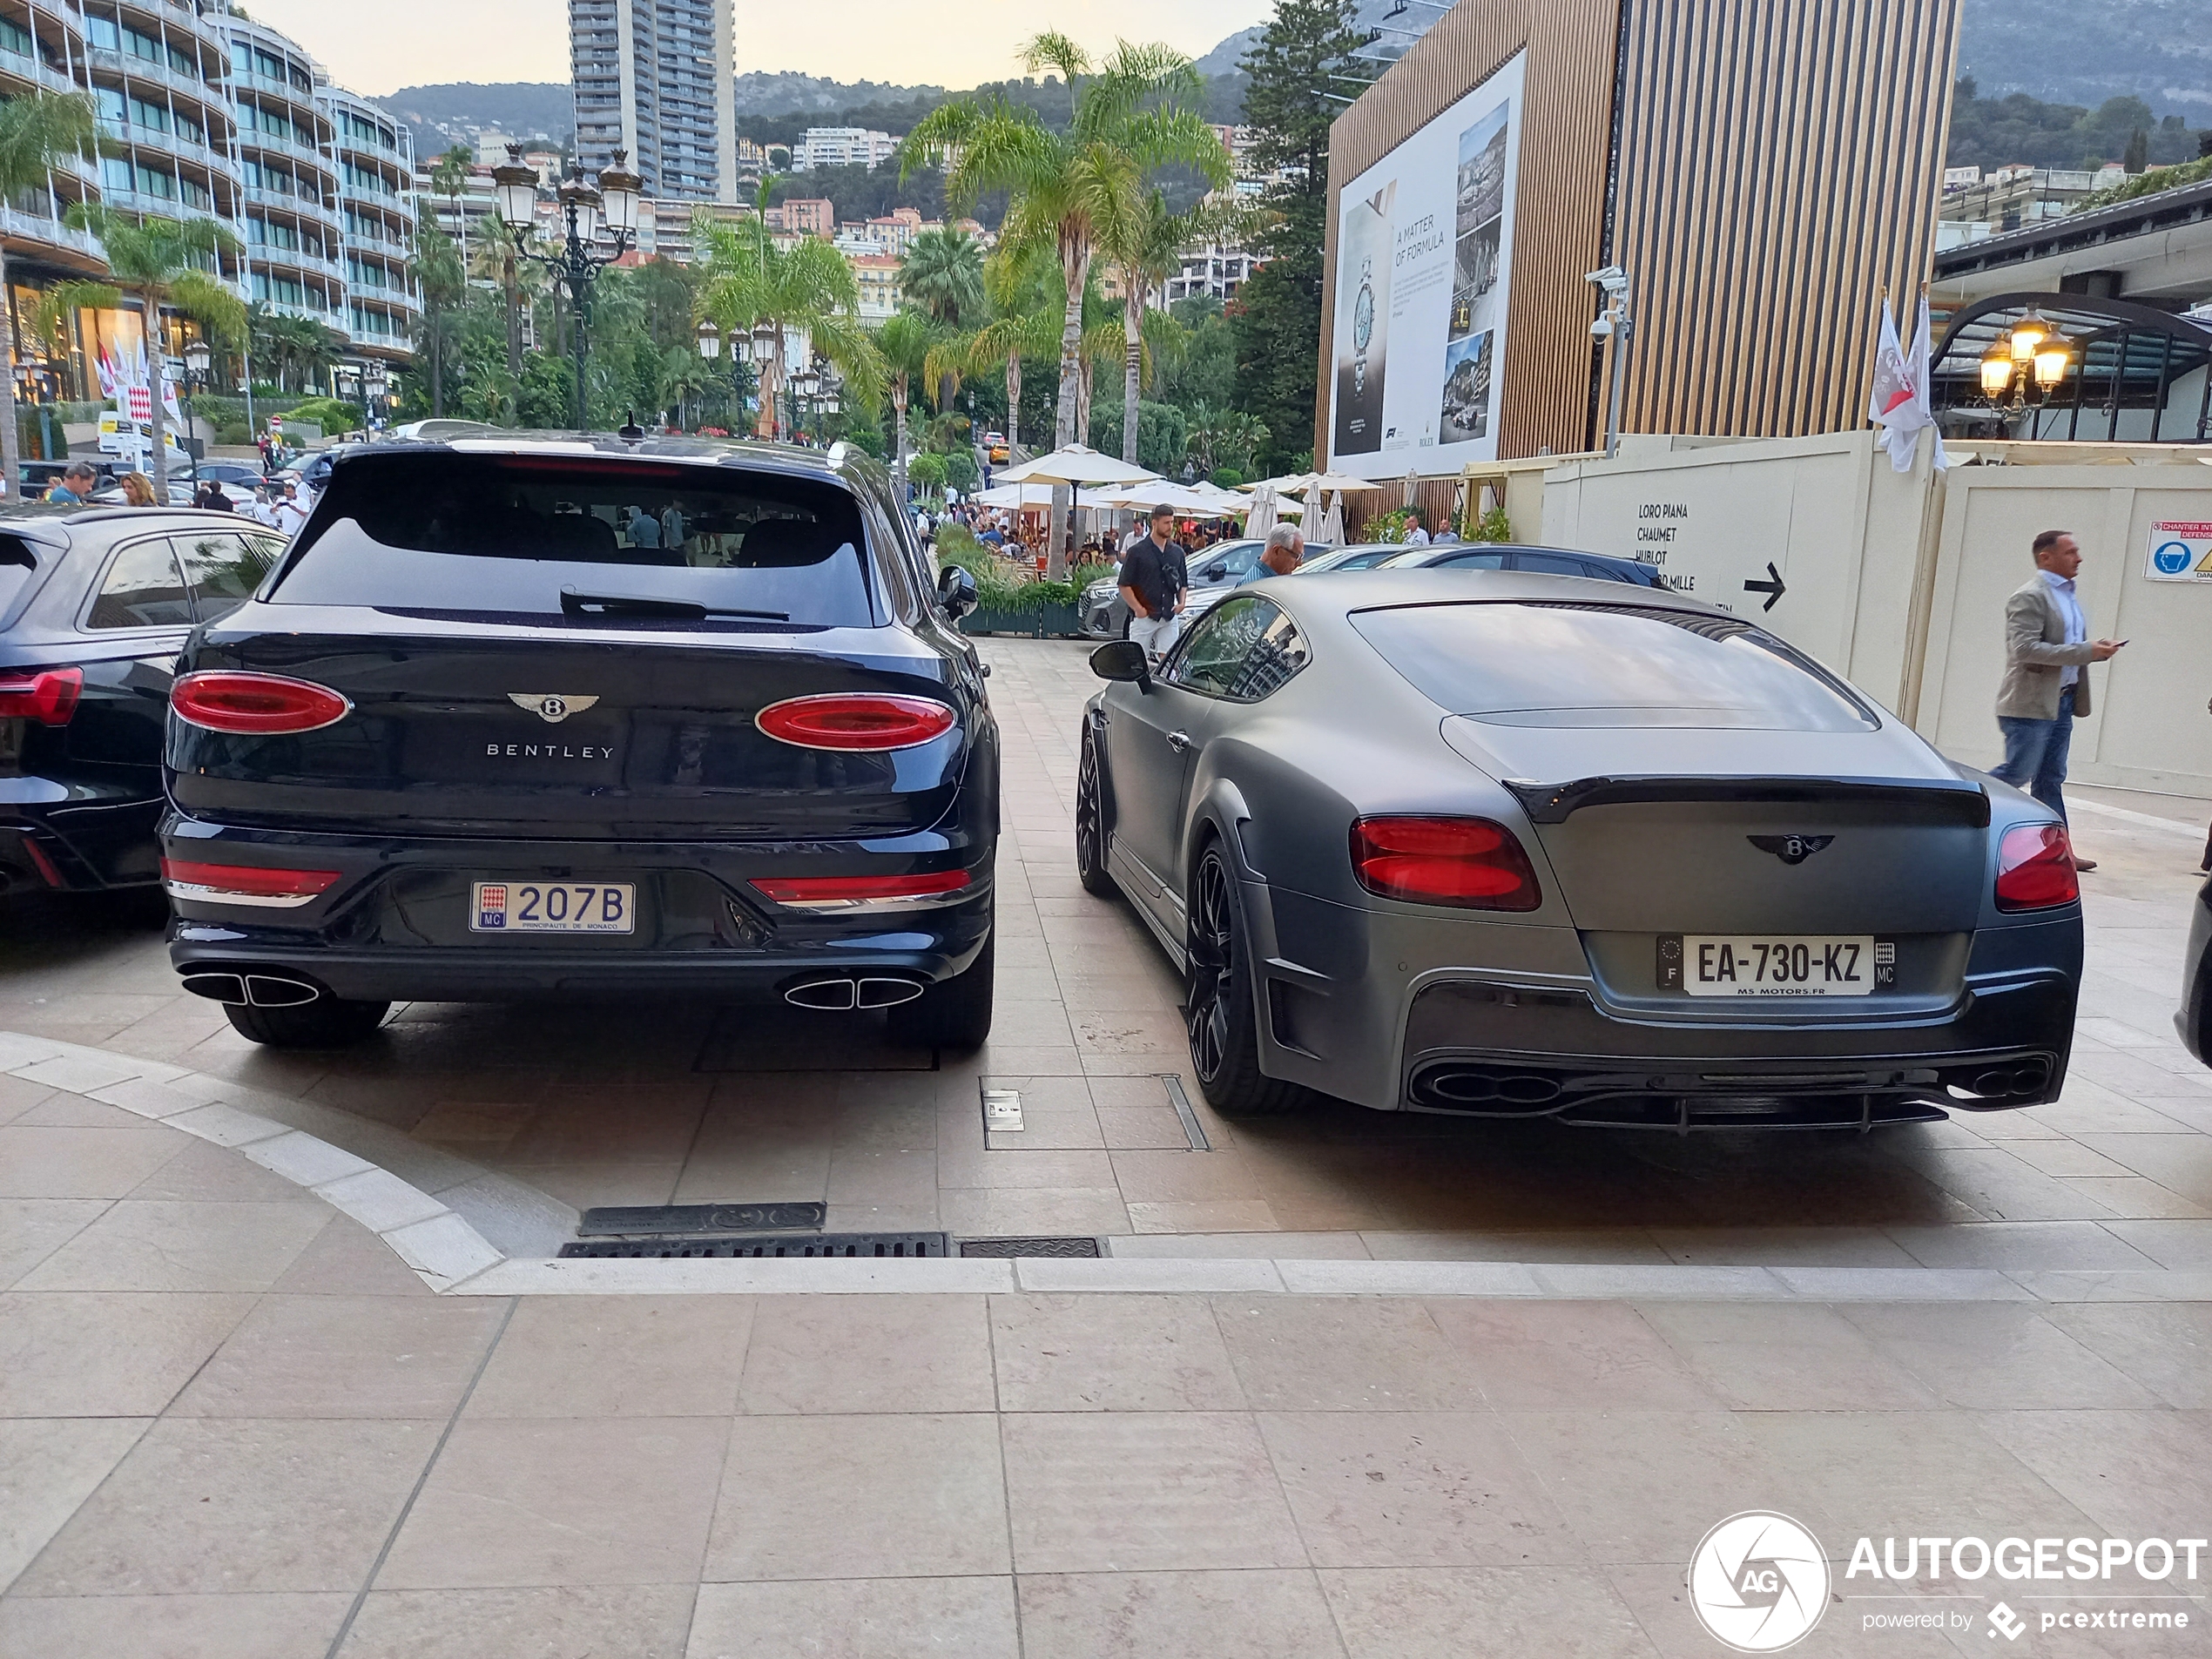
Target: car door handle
(1179, 741)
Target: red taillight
(248, 884)
(224, 700)
(854, 892)
(861, 720)
(2035, 868)
(1469, 862)
(48, 696)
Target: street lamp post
(710, 338)
(586, 204)
(2033, 354)
(198, 359)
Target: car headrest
(782, 544)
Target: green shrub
(1226, 477)
(1493, 526)
(327, 412)
(1387, 527)
(232, 433)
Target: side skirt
(1149, 896)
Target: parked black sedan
(578, 715)
(95, 603)
(1521, 846)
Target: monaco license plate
(1775, 964)
(552, 907)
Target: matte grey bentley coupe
(1520, 845)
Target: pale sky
(376, 49)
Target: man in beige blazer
(2047, 653)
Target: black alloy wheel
(1090, 824)
(1218, 1004)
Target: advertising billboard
(1423, 262)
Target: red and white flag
(1898, 403)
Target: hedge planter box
(1038, 622)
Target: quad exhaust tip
(844, 992)
(253, 990)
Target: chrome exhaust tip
(267, 991)
(842, 994)
(218, 987)
(886, 993)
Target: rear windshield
(20, 566)
(586, 541)
(1568, 664)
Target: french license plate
(552, 907)
(1775, 964)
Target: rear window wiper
(616, 605)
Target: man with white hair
(1285, 552)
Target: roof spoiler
(1935, 802)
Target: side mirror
(956, 592)
(1121, 659)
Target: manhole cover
(1029, 1247)
(842, 1245)
(665, 1219)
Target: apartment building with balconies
(653, 77)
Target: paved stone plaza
(1387, 1387)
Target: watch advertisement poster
(1424, 264)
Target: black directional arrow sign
(1772, 588)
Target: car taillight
(224, 700)
(48, 696)
(1469, 862)
(2035, 868)
(855, 720)
(863, 891)
(248, 884)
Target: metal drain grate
(1029, 1247)
(908, 1245)
(660, 1219)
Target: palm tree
(442, 280)
(1146, 248)
(174, 262)
(449, 177)
(498, 258)
(943, 274)
(1134, 113)
(906, 342)
(37, 130)
(1017, 284)
(805, 288)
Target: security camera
(1612, 280)
(1601, 328)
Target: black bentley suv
(585, 716)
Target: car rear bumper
(1496, 1050)
(75, 838)
(395, 927)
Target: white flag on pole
(1899, 401)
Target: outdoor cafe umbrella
(1329, 532)
(1076, 466)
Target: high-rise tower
(654, 77)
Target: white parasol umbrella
(1331, 530)
(1340, 481)
(1263, 514)
(1014, 495)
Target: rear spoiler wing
(1961, 803)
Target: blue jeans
(2035, 753)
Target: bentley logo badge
(1791, 849)
(551, 706)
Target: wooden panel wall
(1779, 162)
(1566, 132)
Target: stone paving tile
(1785, 1358)
(846, 1354)
(910, 1496)
(1344, 1354)
(1414, 1489)
(2165, 1348)
(570, 1622)
(1443, 1612)
(617, 1356)
(157, 1245)
(1637, 1485)
(876, 1618)
(106, 1354)
(83, 1163)
(546, 1502)
(345, 1356)
(1994, 1357)
(33, 1228)
(48, 1466)
(1088, 1353)
(1140, 1491)
(2138, 1474)
(277, 1626)
(1536, 1356)
(1280, 1615)
(202, 1507)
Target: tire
(1090, 823)
(1219, 1008)
(327, 1022)
(954, 1013)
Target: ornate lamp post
(586, 204)
(197, 361)
(2033, 354)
